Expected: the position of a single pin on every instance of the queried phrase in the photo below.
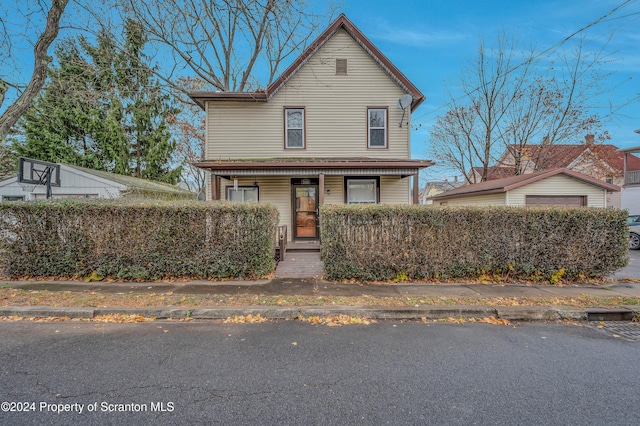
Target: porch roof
(314, 166)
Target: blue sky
(430, 40)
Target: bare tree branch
(41, 62)
(221, 42)
(512, 101)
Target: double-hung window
(248, 194)
(294, 128)
(361, 191)
(377, 127)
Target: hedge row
(136, 240)
(377, 242)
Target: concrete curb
(516, 313)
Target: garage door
(557, 200)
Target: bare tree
(227, 43)
(188, 128)
(467, 135)
(511, 100)
(555, 108)
(41, 61)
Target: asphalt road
(294, 373)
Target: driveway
(632, 270)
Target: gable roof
(340, 23)
(562, 156)
(131, 182)
(119, 181)
(496, 172)
(507, 184)
(614, 157)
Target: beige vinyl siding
(555, 186)
(394, 190)
(478, 200)
(335, 111)
(272, 189)
(335, 184)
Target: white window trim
(287, 128)
(244, 189)
(375, 190)
(384, 128)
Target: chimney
(589, 139)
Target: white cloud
(416, 38)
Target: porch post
(321, 189)
(215, 187)
(416, 189)
(320, 200)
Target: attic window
(341, 67)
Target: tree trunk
(41, 62)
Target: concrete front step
(300, 264)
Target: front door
(305, 211)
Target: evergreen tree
(101, 108)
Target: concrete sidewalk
(317, 287)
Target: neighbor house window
(294, 127)
(243, 194)
(13, 198)
(341, 67)
(360, 191)
(377, 127)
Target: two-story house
(333, 128)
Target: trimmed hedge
(377, 242)
(136, 239)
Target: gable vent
(341, 67)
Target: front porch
(298, 187)
(632, 178)
(631, 174)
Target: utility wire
(552, 48)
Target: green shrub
(377, 242)
(136, 240)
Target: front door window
(305, 211)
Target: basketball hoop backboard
(32, 171)
(35, 172)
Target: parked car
(634, 231)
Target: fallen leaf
(242, 319)
(495, 321)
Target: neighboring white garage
(80, 182)
(559, 187)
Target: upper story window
(341, 67)
(294, 128)
(377, 127)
